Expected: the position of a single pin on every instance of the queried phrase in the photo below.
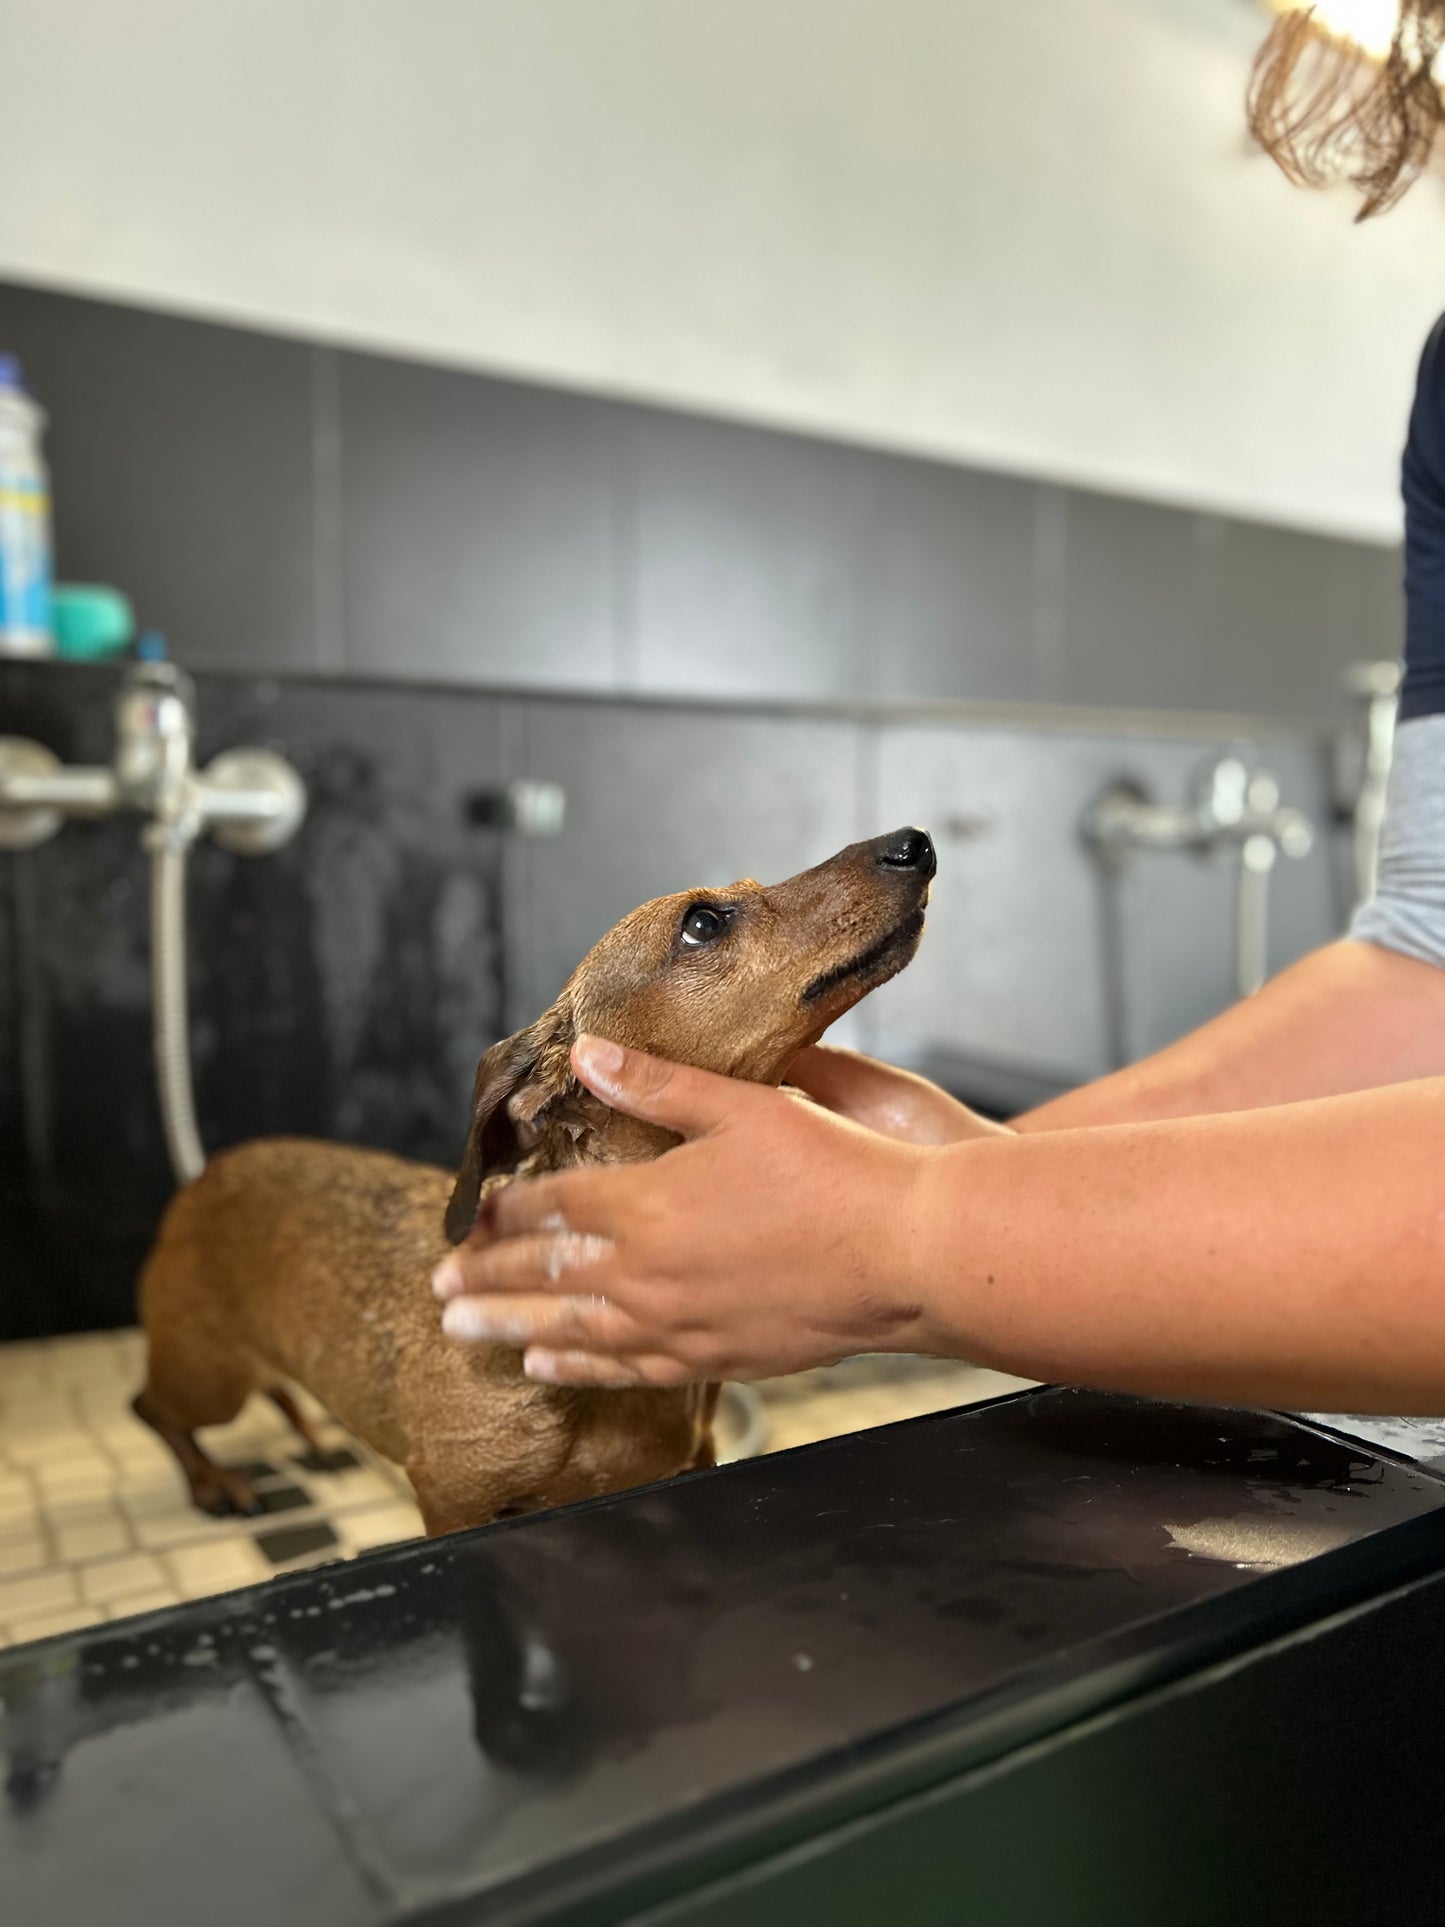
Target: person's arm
(1350, 1017)
(1356, 1015)
(1291, 1257)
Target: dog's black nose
(908, 850)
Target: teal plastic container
(90, 621)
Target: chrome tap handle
(1234, 809)
(1258, 855)
(154, 737)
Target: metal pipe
(1251, 925)
(76, 792)
(250, 799)
(1234, 810)
(218, 805)
(169, 846)
(1376, 687)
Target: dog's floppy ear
(519, 1082)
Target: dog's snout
(908, 849)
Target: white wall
(1026, 236)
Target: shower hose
(169, 847)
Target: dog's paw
(226, 1495)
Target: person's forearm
(1351, 1017)
(1291, 1257)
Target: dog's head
(735, 981)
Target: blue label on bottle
(24, 556)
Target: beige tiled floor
(95, 1522)
(874, 1390)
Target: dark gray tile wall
(956, 586)
(342, 987)
(182, 465)
(664, 799)
(1033, 959)
(276, 505)
(283, 510)
(346, 985)
(1132, 625)
(476, 526)
(749, 561)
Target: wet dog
(294, 1262)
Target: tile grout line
(623, 538)
(327, 527)
(1050, 590)
(90, 1395)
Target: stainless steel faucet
(251, 800)
(1363, 766)
(1233, 810)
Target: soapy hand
(776, 1236)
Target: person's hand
(897, 1104)
(775, 1237)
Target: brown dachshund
(294, 1260)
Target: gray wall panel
(1009, 968)
(275, 505)
(1281, 614)
(1025, 930)
(661, 800)
(1132, 625)
(750, 560)
(477, 528)
(951, 609)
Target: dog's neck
(577, 1129)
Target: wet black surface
(512, 1712)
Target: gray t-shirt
(1407, 911)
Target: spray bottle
(25, 566)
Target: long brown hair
(1327, 113)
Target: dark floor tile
(338, 1459)
(281, 1498)
(296, 1542)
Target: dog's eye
(702, 924)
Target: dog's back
(307, 1261)
(293, 1259)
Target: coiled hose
(169, 846)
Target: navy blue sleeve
(1422, 478)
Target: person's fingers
(681, 1099)
(530, 1262)
(562, 1323)
(580, 1203)
(613, 1371)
